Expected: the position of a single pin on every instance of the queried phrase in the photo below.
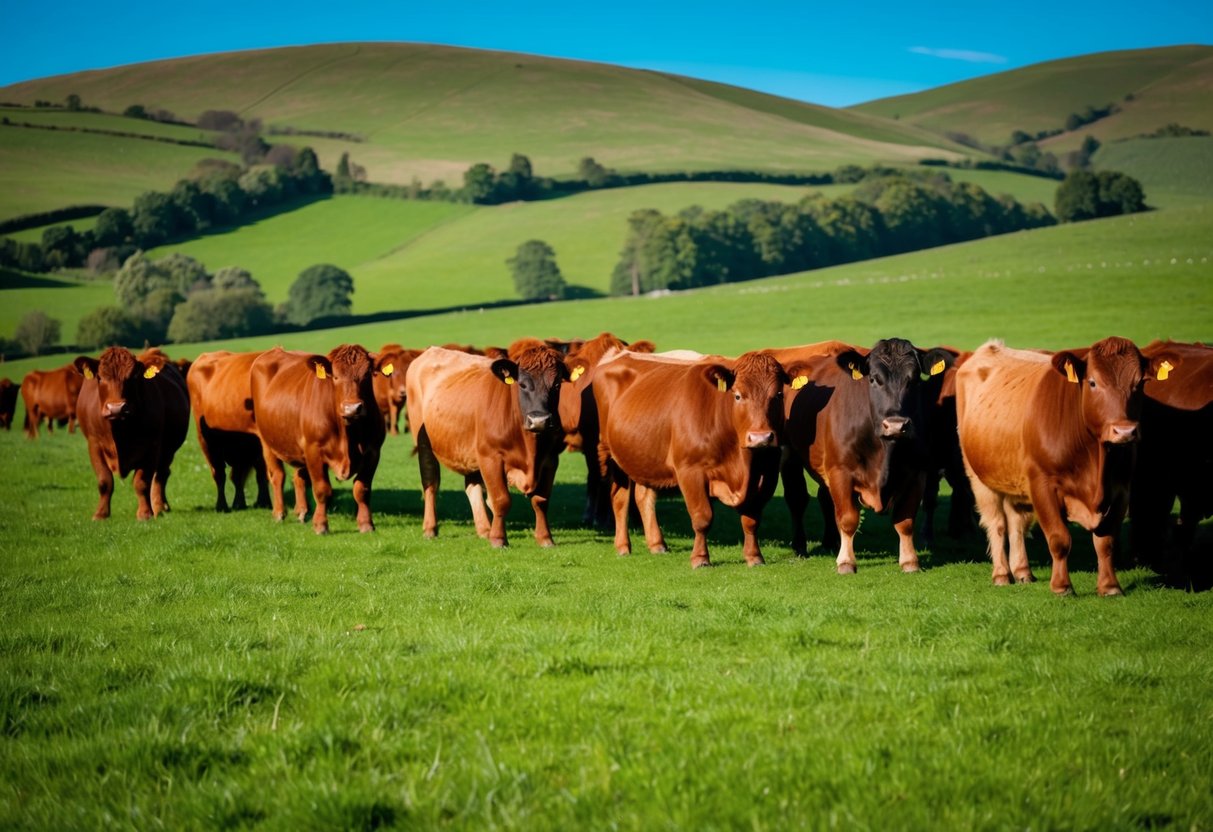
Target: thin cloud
(960, 55)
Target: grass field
(1179, 171)
(43, 169)
(1167, 85)
(431, 111)
(164, 674)
(63, 298)
(64, 119)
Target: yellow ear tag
(509, 379)
(577, 373)
(938, 367)
(320, 373)
(1164, 370)
(387, 369)
(799, 381)
(88, 373)
(855, 372)
(1071, 376)
(151, 372)
(721, 385)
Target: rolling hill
(431, 111)
(1152, 88)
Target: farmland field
(161, 674)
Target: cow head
(536, 371)
(347, 369)
(893, 370)
(1109, 377)
(391, 364)
(120, 378)
(754, 386)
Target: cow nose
(536, 422)
(895, 427)
(352, 410)
(114, 410)
(1121, 433)
(760, 439)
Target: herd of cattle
(1084, 435)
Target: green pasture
(431, 111)
(66, 299)
(203, 671)
(65, 119)
(1176, 171)
(41, 170)
(1167, 85)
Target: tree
(61, 246)
(220, 313)
(478, 182)
(113, 227)
(320, 291)
(234, 277)
(36, 331)
(536, 275)
(135, 111)
(1085, 195)
(106, 326)
(73, 102)
(594, 174)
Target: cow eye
(1092, 383)
(737, 396)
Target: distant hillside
(1152, 87)
(431, 111)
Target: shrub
(320, 291)
(536, 275)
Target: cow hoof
(624, 553)
(658, 550)
(499, 544)
(907, 568)
(1025, 579)
(1064, 592)
(547, 544)
(699, 563)
(756, 562)
(322, 530)
(1111, 593)
(846, 569)
(367, 529)
(429, 534)
(1002, 580)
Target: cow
(855, 422)
(221, 399)
(579, 415)
(496, 422)
(391, 364)
(943, 455)
(135, 413)
(1174, 460)
(709, 427)
(50, 395)
(1052, 436)
(8, 402)
(318, 414)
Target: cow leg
(930, 501)
(105, 484)
(431, 476)
(277, 477)
(362, 497)
(749, 527)
(539, 503)
(211, 453)
(240, 472)
(300, 482)
(393, 418)
(473, 486)
(322, 492)
(499, 500)
(694, 486)
(263, 484)
(1105, 547)
(621, 498)
(142, 482)
(159, 492)
(1017, 534)
(841, 490)
(796, 496)
(994, 520)
(1048, 513)
(593, 488)
(646, 504)
(903, 522)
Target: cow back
(220, 388)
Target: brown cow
(493, 421)
(135, 413)
(1055, 435)
(856, 422)
(579, 414)
(8, 402)
(391, 364)
(944, 460)
(50, 395)
(318, 413)
(1174, 460)
(710, 427)
(221, 398)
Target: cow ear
(152, 363)
(853, 363)
(643, 345)
(797, 375)
(719, 376)
(384, 364)
(321, 366)
(505, 370)
(575, 368)
(1160, 367)
(1070, 366)
(934, 361)
(86, 366)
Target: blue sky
(836, 54)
